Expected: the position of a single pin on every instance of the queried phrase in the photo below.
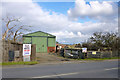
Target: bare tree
(7, 27)
(13, 31)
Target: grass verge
(19, 63)
(100, 58)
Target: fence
(13, 52)
(92, 54)
(102, 54)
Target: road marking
(112, 68)
(65, 74)
(48, 76)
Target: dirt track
(45, 57)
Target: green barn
(45, 42)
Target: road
(99, 69)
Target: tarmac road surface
(98, 69)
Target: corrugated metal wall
(51, 42)
(42, 41)
(27, 40)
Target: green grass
(19, 63)
(100, 58)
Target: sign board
(60, 47)
(26, 49)
(94, 52)
(26, 58)
(84, 49)
(17, 54)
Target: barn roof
(38, 33)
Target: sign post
(84, 50)
(26, 52)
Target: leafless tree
(13, 31)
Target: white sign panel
(26, 49)
(94, 52)
(26, 58)
(84, 49)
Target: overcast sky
(70, 22)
